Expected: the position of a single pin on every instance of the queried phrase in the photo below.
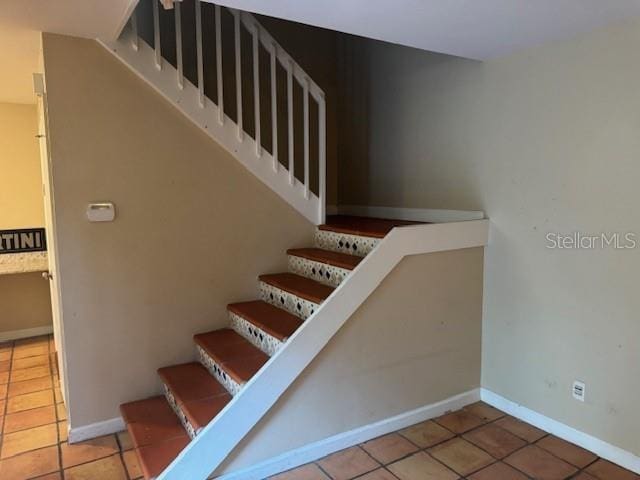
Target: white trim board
(430, 215)
(314, 451)
(94, 430)
(259, 394)
(601, 448)
(25, 333)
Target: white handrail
(260, 38)
(178, 22)
(283, 57)
(238, 46)
(274, 107)
(135, 43)
(322, 158)
(255, 32)
(220, 92)
(199, 52)
(290, 121)
(156, 35)
(305, 122)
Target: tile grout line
(495, 460)
(121, 455)
(527, 444)
(52, 389)
(380, 465)
(55, 411)
(6, 398)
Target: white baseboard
(95, 430)
(603, 449)
(413, 214)
(322, 448)
(25, 333)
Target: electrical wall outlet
(578, 390)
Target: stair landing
(365, 226)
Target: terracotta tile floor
(476, 443)
(33, 440)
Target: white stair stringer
(142, 61)
(214, 442)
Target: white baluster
(219, 64)
(322, 161)
(134, 31)
(238, 73)
(256, 87)
(156, 34)
(290, 118)
(305, 87)
(178, 17)
(199, 52)
(274, 108)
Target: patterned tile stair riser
(282, 299)
(345, 243)
(218, 373)
(178, 411)
(318, 271)
(258, 338)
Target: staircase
(234, 81)
(231, 78)
(195, 393)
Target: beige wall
(415, 341)
(21, 204)
(24, 298)
(193, 231)
(25, 302)
(543, 141)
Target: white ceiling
(22, 20)
(80, 18)
(478, 29)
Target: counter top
(23, 262)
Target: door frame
(50, 224)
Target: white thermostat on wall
(101, 212)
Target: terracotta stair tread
(233, 353)
(201, 412)
(300, 286)
(155, 458)
(151, 421)
(190, 381)
(198, 394)
(273, 320)
(363, 226)
(341, 260)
